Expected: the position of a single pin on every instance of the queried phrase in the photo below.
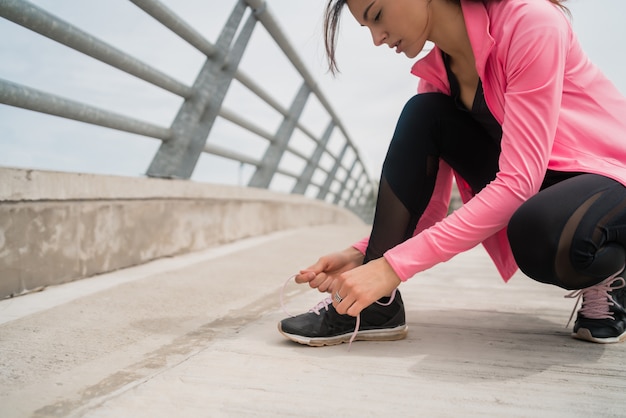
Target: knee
(427, 105)
(419, 119)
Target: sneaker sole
(387, 334)
(585, 334)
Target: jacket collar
(478, 30)
(431, 68)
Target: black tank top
(481, 114)
(479, 111)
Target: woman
(535, 136)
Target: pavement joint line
(53, 296)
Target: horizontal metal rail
(48, 25)
(166, 17)
(17, 95)
(356, 190)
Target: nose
(379, 37)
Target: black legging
(572, 234)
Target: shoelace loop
(282, 296)
(325, 303)
(596, 299)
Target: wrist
(354, 255)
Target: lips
(397, 47)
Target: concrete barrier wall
(58, 227)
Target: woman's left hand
(363, 285)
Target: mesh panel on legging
(430, 127)
(572, 234)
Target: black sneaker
(602, 316)
(322, 325)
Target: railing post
(307, 174)
(345, 183)
(331, 176)
(263, 175)
(177, 157)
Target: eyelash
(377, 18)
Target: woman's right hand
(322, 274)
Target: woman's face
(401, 24)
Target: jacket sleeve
(533, 54)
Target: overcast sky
(368, 95)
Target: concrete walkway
(195, 336)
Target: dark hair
(331, 26)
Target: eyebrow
(367, 9)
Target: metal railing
(185, 140)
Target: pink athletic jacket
(557, 111)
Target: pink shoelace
(325, 303)
(597, 299)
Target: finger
(346, 302)
(336, 287)
(344, 308)
(318, 280)
(310, 273)
(356, 308)
(319, 266)
(305, 276)
(326, 285)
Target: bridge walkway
(195, 336)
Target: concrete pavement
(195, 336)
